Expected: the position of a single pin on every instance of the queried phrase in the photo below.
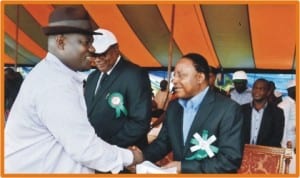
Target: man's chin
(259, 100)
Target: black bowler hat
(69, 19)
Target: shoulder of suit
(92, 74)
(246, 106)
(275, 108)
(132, 68)
(221, 98)
(173, 103)
(130, 64)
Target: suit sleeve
(160, 147)
(230, 144)
(278, 127)
(138, 96)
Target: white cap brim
(103, 42)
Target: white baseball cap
(103, 42)
(239, 75)
(291, 84)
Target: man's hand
(137, 155)
(137, 158)
(176, 164)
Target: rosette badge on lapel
(202, 146)
(116, 101)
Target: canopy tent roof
(248, 36)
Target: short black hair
(199, 62)
(272, 85)
(264, 81)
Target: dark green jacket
(132, 82)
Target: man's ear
(200, 77)
(116, 48)
(60, 41)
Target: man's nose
(174, 80)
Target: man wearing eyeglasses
(118, 95)
(48, 129)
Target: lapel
(264, 122)
(103, 91)
(178, 113)
(247, 122)
(90, 89)
(202, 115)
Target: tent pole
(17, 39)
(170, 60)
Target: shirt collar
(108, 72)
(62, 67)
(195, 101)
(252, 106)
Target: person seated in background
(241, 93)
(161, 98)
(212, 81)
(274, 97)
(198, 112)
(263, 121)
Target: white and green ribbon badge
(202, 146)
(116, 101)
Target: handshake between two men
(140, 165)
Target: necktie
(100, 83)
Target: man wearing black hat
(48, 129)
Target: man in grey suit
(202, 128)
(119, 106)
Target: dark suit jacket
(133, 83)
(271, 128)
(217, 114)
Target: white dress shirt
(256, 118)
(48, 129)
(107, 73)
(289, 109)
(190, 109)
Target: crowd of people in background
(270, 117)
